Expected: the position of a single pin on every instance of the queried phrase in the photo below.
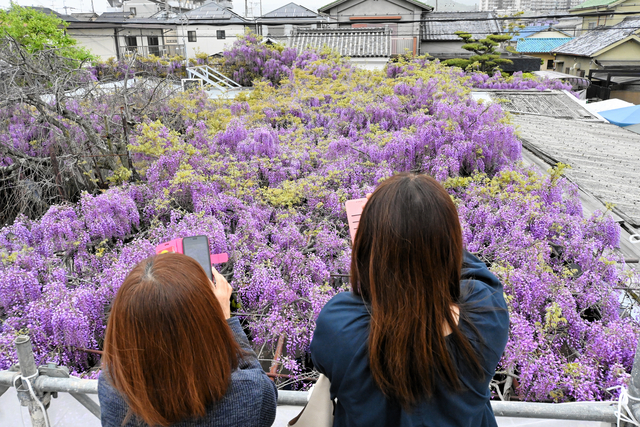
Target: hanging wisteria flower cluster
(265, 176)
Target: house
(609, 55)
(609, 12)
(539, 41)
(116, 34)
(278, 25)
(367, 47)
(438, 31)
(210, 28)
(401, 17)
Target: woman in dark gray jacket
(175, 357)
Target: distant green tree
(37, 31)
(485, 58)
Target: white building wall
(207, 40)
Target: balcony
(160, 50)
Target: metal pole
(634, 385)
(28, 375)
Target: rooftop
(211, 13)
(594, 3)
(443, 25)
(598, 154)
(600, 38)
(352, 42)
(539, 103)
(291, 10)
(418, 3)
(540, 45)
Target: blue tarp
(625, 116)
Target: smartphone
(354, 211)
(197, 247)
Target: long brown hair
(406, 262)
(168, 349)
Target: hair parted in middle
(168, 348)
(406, 263)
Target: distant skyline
(76, 6)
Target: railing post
(634, 386)
(28, 374)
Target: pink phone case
(173, 246)
(354, 210)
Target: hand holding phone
(223, 290)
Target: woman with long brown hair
(174, 356)
(417, 340)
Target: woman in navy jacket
(417, 340)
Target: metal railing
(212, 77)
(161, 50)
(36, 386)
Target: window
(220, 34)
(132, 11)
(592, 25)
(154, 49)
(549, 64)
(191, 36)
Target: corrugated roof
(539, 103)
(291, 10)
(594, 3)
(443, 25)
(599, 38)
(599, 155)
(540, 45)
(352, 42)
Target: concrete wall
(99, 41)
(206, 38)
(370, 63)
(144, 8)
(552, 34)
(627, 50)
(627, 95)
(447, 47)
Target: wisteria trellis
(266, 175)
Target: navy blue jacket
(250, 400)
(339, 350)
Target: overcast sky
(74, 6)
(100, 6)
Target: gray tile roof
(443, 25)
(212, 13)
(352, 42)
(599, 38)
(603, 157)
(115, 17)
(291, 10)
(548, 103)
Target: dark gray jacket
(250, 400)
